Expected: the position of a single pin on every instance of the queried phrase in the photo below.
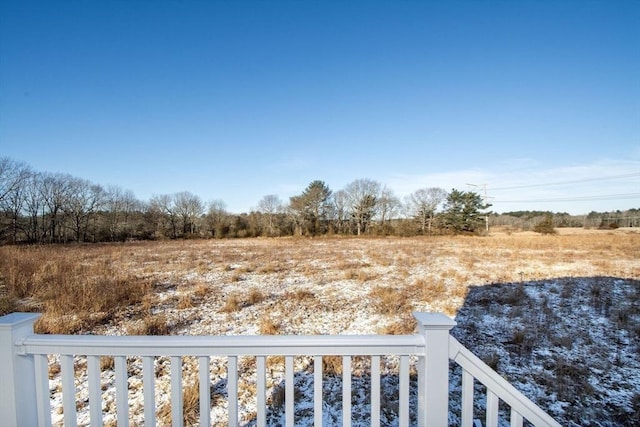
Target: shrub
(232, 304)
(405, 326)
(151, 325)
(190, 406)
(268, 327)
(332, 365)
(107, 363)
(545, 226)
(255, 296)
(8, 305)
(389, 300)
(299, 295)
(492, 360)
(185, 301)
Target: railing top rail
(238, 345)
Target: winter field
(557, 315)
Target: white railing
(473, 368)
(25, 393)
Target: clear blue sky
(235, 100)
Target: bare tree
(269, 206)
(362, 199)
(82, 201)
(295, 215)
(341, 211)
(162, 213)
(217, 219)
(119, 206)
(189, 208)
(12, 175)
(33, 204)
(55, 189)
(11, 207)
(423, 204)
(388, 205)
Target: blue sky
(236, 100)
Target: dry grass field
(329, 285)
(82, 288)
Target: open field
(294, 286)
(86, 287)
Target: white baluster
(375, 391)
(122, 391)
(149, 390)
(346, 391)
(176, 391)
(95, 393)
(317, 391)
(289, 391)
(205, 391)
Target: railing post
(17, 372)
(433, 369)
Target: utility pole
(484, 201)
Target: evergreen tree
(311, 208)
(462, 211)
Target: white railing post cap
(13, 320)
(434, 320)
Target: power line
(625, 196)
(578, 181)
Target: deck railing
(25, 390)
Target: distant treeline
(41, 207)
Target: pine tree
(312, 207)
(462, 211)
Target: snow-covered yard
(570, 344)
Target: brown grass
(429, 289)
(107, 362)
(201, 290)
(404, 326)
(78, 288)
(150, 325)
(255, 296)
(299, 295)
(54, 369)
(268, 327)
(232, 304)
(60, 281)
(190, 406)
(236, 276)
(332, 365)
(390, 301)
(185, 301)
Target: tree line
(43, 207)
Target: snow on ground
(570, 344)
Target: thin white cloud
(292, 163)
